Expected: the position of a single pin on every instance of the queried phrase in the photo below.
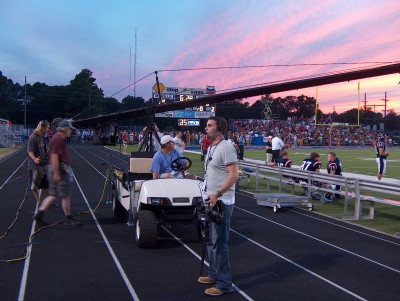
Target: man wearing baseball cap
(59, 174)
(161, 163)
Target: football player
(311, 164)
(333, 167)
(381, 155)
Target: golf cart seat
(139, 166)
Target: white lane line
(22, 288)
(322, 241)
(8, 179)
(300, 266)
(110, 249)
(346, 228)
(334, 224)
(236, 288)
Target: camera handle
(206, 237)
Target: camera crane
(239, 94)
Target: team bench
(351, 188)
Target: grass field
(355, 160)
(6, 151)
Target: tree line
(83, 98)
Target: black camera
(215, 214)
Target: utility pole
(134, 67)
(365, 101)
(385, 100)
(130, 69)
(25, 106)
(385, 110)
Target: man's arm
(155, 167)
(34, 158)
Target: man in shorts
(59, 174)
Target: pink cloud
(298, 35)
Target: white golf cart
(152, 202)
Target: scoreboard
(188, 122)
(176, 94)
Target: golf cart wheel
(275, 208)
(117, 208)
(145, 229)
(311, 208)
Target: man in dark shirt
(381, 155)
(283, 160)
(37, 160)
(333, 167)
(311, 164)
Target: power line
(270, 66)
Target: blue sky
(51, 41)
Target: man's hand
(211, 199)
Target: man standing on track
(60, 175)
(221, 174)
(37, 160)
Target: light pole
(25, 106)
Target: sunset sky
(51, 41)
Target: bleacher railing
(359, 191)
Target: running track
(291, 255)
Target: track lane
(170, 271)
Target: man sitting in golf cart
(161, 166)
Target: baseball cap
(166, 138)
(65, 123)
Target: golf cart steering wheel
(176, 165)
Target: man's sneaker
(213, 291)
(38, 217)
(72, 222)
(41, 223)
(206, 280)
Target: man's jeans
(218, 251)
